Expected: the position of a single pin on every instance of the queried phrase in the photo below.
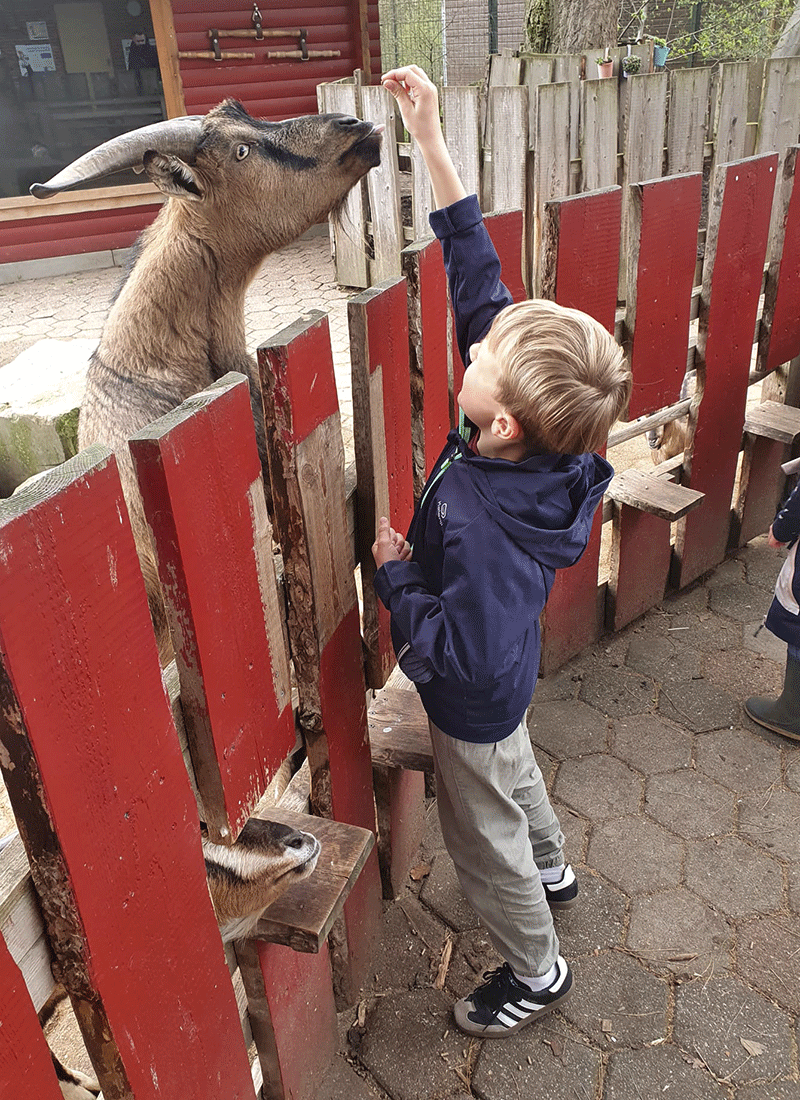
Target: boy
(510, 500)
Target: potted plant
(631, 64)
(660, 51)
(605, 66)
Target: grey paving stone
(698, 706)
(730, 572)
(793, 771)
(616, 1002)
(706, 631)
(734, 877)
(343, 1083)
(689, 803)
(664, 659)
(595, 922)
(441, 892)
(770, 1090)
(743, 674)
(618, 691)
(713, 1017)
(411, 944)
(637, 855)
(772, 821)
(694, 599)
(541, 1062)
(767, 957)
(738, 600)
(567, 729)
(762, 562)
(411, 1046)
(659, 1072)
(677, 932)
(651, 744)
(737, 759)
(763, 641)
(794, 889)
(558, 686)
(472, 955)
(598, 786)
(575, 831)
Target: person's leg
(782, 715)
(486, 833)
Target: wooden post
(348, 232)
(307, 475)
(736, 245)
(95, 775)
(383, 185)
(579, 269)
(203, 493)
(779, 332)
(25, 1063)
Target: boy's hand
(389, 545)
(418, 101)
(772, 541)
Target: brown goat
(238, 188)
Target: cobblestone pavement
(682, 819)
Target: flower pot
(605, 70)
(660, 56)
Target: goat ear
(172, 175)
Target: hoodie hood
(545, 504)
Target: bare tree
(570, 26)
(788, 45)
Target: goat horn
(177, 136)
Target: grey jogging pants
(499, 828)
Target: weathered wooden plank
(779, 128)
(421, 194)
(347, 232)
(382, 422)
(21, 923)
(688, 112)
(309, 501)
(771, 420)
(655, 495)
(644, 147)
(734, 263)
(537, 69)
(505, 70)
(599, 108)
(633, 588)
(462, 129)
(567, 68)
(779, 333)
(551, 172)
(383, 186)
(399, 731)
(80, 672)
(730, 124)
(25, 1062)
(508, 113)
(506, 232)
(579, 253)
(662, 256)
(579, 227)
(427, 313)
(213, 543)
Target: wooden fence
(89, 745)
(546, 129)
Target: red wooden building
(74, 75)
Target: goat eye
(242, 151)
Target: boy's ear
(506, 427)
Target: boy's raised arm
(418, 101)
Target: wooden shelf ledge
(772, 420)
(303, 915)
(398, 731)
(649, 492)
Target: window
(72, 75)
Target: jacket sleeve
(473, 270)
(470, 633)
(786, 525)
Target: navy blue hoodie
(487, 537)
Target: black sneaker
(502, 1005)
(562, 894)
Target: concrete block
(40, 396)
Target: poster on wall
(37, 31)
(36, 59)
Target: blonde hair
(563, 377)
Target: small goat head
(247, 877)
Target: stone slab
(675, 931)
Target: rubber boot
(782, 714)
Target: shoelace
(496, 989)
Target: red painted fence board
(200, 476)
(25, 1064)
(660, 295)
(579, 270)
(738, 231)
(99, 788)
(379, 355)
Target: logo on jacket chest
(441, 511)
